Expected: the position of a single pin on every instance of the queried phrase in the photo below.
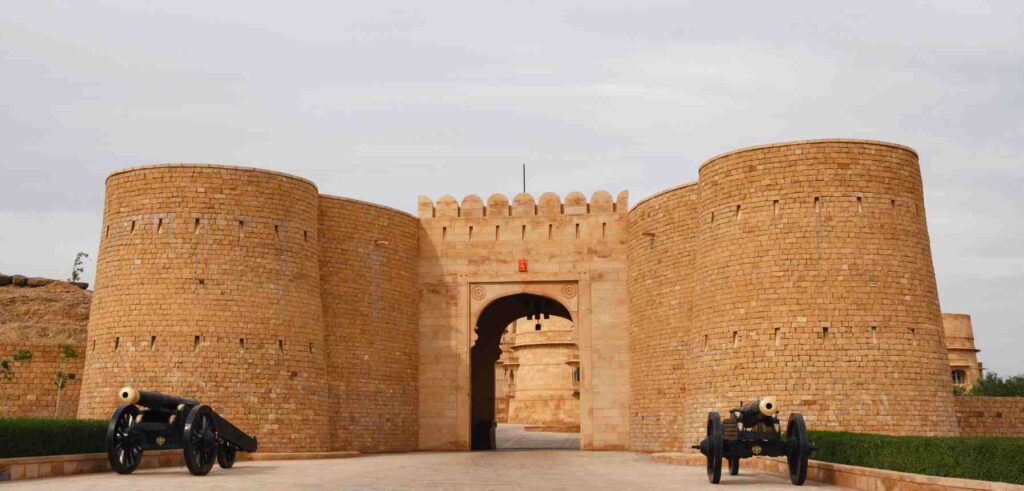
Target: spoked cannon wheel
(714, 447)
(734, 466)
(798, 448)
(226, 454)
(124, 443)
(199, 441)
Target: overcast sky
(385, 101)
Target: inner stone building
(801, 270)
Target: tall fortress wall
(801, 270)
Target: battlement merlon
(523, 204)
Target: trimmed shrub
(982, 458)
(30, 437)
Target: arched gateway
(477, 267)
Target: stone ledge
(19, 468)
(848, 475)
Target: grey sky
(384, 101)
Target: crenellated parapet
(522, 205)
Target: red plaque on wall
(522, 265)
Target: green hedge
(29, 437)
(983, 458)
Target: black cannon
(170, 422)
(754, 430)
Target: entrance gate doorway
(493, 306)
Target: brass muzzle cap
(768, 406)
(128, 395)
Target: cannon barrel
(152, 400)
(758, 411)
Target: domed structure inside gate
(318, 323)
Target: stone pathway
(515, 437)
(499, 470)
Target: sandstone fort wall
(662, 232)
(990, 416)
(31, 390)
(208, 285)
(813, 281)
(368, 277)
(801, 270)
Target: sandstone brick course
(368, 278)
(990, 416)
(31, 390)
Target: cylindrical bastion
(814, 282)
(208, 286)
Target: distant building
(964, 367)
(537, 377)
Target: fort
(320, 323)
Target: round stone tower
(801, 270)
(208, 286)
(814, 282)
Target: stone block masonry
(801, 270)
(30, 389)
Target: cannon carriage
(171, 422)
(755, 430)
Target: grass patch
(30, 437)
(982, 458)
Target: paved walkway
(515, 437)
(499, 470)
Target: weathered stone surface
(36, 282)
(5, 280)
(18, 280)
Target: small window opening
(107, 233)
(277, 231)
(497, 233)
(958, 377)
(195, 226)
(241, 344)
(117, 343)
(705, 342)
(860, 204)
(917, 211)
(892, 204)
(305, 236)
(778, 337)
(131, 229)
(775, 207)
(712, 219)
(152, 343)
(735, 339)
(824, 332)
(471, 233)
(604, 230)
(874, 334)
(913, 335)
(93, 348)
(551, 229)
(241, 227)
(817, 204)
(444, 234)
(739, 213)
(195, 343)
(310, 347)
(159, 225)
(280, 345)
(524, 232)
(577, 230)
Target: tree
(78, 268)
(995, 386)
(67, 352)
(6, 370)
